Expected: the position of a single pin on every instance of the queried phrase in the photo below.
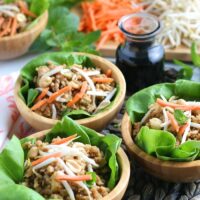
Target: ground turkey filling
(161, 115)
(57, 77)
(78, 159)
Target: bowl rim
(42, 18)
(117, 101)
(124, 164)
(135, 150)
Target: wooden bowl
(118, 192)
(17, 45)
(97, 122)
(165, 170)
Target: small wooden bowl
(165, 170)
(17, 45)
(98, 122)
(118, 191)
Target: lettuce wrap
(159, 143)
(13, 156)
(29, 93)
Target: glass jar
(140, 58)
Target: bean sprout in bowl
(58, 164)
(79, 86)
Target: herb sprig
(186, 71)
(62, 32)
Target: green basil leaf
(93, 181)
(180, 117)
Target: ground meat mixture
(78, 159)
(161, 114)
(52, 78)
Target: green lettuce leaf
(65, 128)
(15, 191)
(137, 105)
(159, 143)
(189, 90)
(32, 94)
(162, 144)
(39, 7)
(12, 160)
(76, 114)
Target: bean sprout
(180, 18)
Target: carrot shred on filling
(79, 95)
(14, 26)
(25, 10)
(74, 178)
(183, 128)
(58, 93)
(109, 73)
(42, 159)
(63, 140)
(103, 80)
(39, 104)
(177, 106)
(174, 123)
(42, 95)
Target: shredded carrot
(1, 20)
(63, 140)
(7, 28)
(177, 106)
(25, 10)
(42, 159)
(109, 73)
(39, 104)
(174, 123)
(58, 93)
(14, 27)
(182, 128)
(79, 95)
(74, 178)
(104, 15)
(103, 80)
(42, 95)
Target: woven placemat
(143, 186)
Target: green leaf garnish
(180, 117)
(93, 181)
(186, 71)
(194, 55)
(32, 94)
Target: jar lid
(140, 25)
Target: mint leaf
(186, 72)
(194, 55)
(180, 117)
(93, 181)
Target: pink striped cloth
(10, 120)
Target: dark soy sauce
(140, 59)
